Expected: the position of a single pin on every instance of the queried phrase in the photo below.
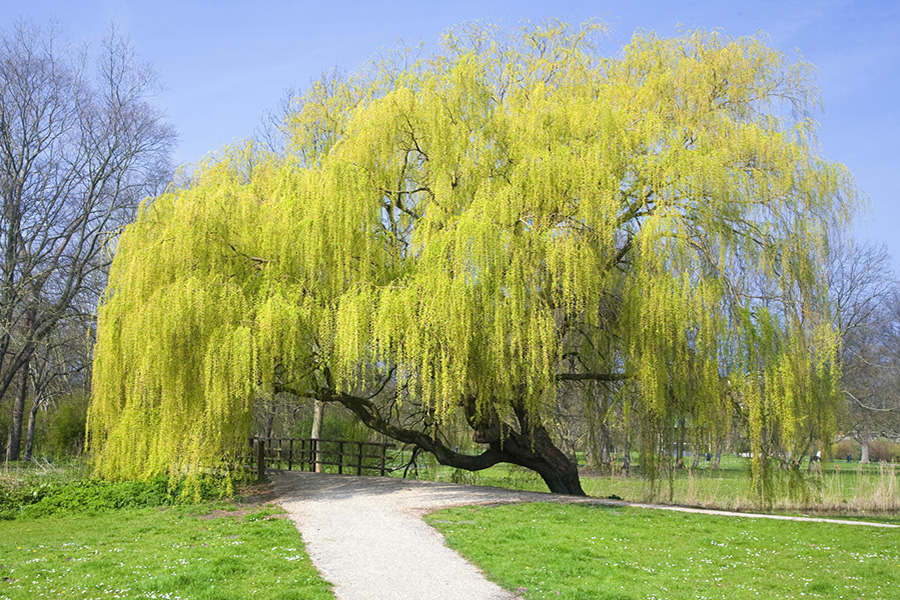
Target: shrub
(65, 436)
(32, 498)
(94, 496)
(844, 448)
(884, 450)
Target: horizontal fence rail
(312, 454)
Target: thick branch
(369, 414)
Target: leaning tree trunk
(536, 451)
(529, 445)
(558, 471)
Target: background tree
(866, 298)
(58, 371)
(449, 240)
(81, 143)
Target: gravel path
(365, 534)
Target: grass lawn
(581, 552)
(215, 551)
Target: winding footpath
(366, 535)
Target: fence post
(313, 454)
(302, 460)
(319, 456)
(261, 461)
(290, 452)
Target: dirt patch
(247, 510)
(258, 493)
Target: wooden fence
(305, 454)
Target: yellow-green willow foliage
(481, 223)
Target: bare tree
(81, 144)
(59, 371)
(866, 299)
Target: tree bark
(699, 452)
(679, 453)
(864, 449)
(593, 453)
(605, 454)
(14, 441)
(316, 433)
(270, 424)
(558, 471)
(626, 462)
(530, 446)
(29, 434)
(605, 437)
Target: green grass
(582, 552)
(209, 551)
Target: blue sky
(224, 63)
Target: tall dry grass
(857, 491)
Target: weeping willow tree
(453, 238)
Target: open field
(579, 551)
(213, 551)
(836, 488)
